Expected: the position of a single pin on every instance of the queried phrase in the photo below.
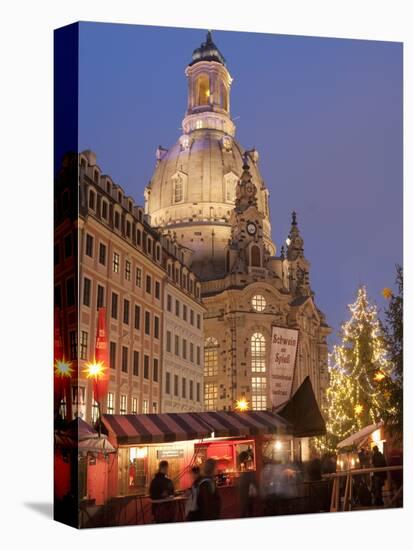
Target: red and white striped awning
(135, 429)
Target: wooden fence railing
(349, 475)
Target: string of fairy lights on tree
(358, 370)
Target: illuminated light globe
(63, 368)
(242, 405)
(94, 369)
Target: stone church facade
(207, 191)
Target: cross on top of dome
(207, 51)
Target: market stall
(188, 439)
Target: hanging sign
(284, 343)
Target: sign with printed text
(284, 343)
(169, 453)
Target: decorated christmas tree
(358, 369)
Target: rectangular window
(192, 317)
(123, 404)
(168, 340)
(147, 323)
(184, 312)
(110, 403)
(210, 396)
(134, 408)
(117, 220)
(184, 387)
(176, 344)
(127, 270)
(154, 407)
(116, 262)
(156, 327)
(155, 373)
(177, 308)
(198, 355)
(86, 291)
(89, 245)
(138, 278)
(100, 300)
(168, 383)
(136, 363)
(125, 359)
(58, 296)
(259, 393)
(148, 284)
(191, 352)
(169, 303)
(157, 290)
(70, 292)
(184, 342)
(126, 311)
(73, 344)
(176, 386)
(145, 406)
(112, 355)
(137, 317)
(102, 254)
(114, 309)
(146, 366)
(104, 210)
(92, 200)
(191, 390)
(198, 392)
(56, 256)
(95, 411)
(67, 245)
(198, 321)
(83, 344)
(138, 237)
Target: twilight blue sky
(324, 114)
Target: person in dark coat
(378, 461)
(191, 509)
(161, 487)
(209, 501)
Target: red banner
(101, 382)
(62, 369)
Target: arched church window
(202, 90)
(211, 356)
(258, 352)
(178, 189)
(223, 93)
(255, 256)
(258, 302)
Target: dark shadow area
(42, 508)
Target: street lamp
(242, 405)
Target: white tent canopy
(359, 437)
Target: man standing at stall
(378, 461)
(161, 488)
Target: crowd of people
(276, 491)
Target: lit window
(116, 262)
(127, 270)
(83, 344)
(134, 408)
(259, 393)
(95, 411)
(211, 357)
(258, 302)
(211, 396)
(198, 124)
(202, 90)
(145, 406)
(258, 352)
(122, 408)
(110, 403)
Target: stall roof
(359, 437)
(132, 429)
(303, 413)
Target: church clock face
(251, 228)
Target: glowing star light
(358, 409)
(379, 376)
(387, 293)
(62, 367)
(94, 369)
(242, 405)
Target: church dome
(192, 190)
